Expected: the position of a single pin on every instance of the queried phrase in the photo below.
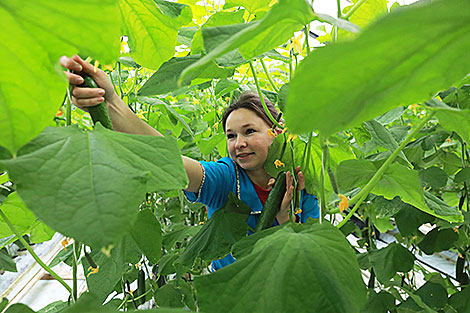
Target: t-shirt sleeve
(309, 206)
(218, 181)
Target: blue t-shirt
(225, 176)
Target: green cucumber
(98, 113)
(273, 203)
(141, 286)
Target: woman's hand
(84, 97)
(283, 215)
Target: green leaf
(354, 173)
(316, 260)
(169, 295)
(19, 308)
(226, 226)
(64, 255)
(381, 302)
(54, 307)
(274, 29)
(7, 263)
(165, 79)
(458, 121)
(410, 218)
(402, 59)
(441, 208)
(438, 240)
(152, 34)
(170, 239)
(110, 270)
(89, 303)
(461, 300)
(433, 177)
(40, 232)
(225, 86)
(433, 294)
(18, 214)
(49, 29)
(383, 137)
(390, 260)
(147, 233)
(173, 9)
(366, 13)
(463, 175)
(251, 6)
(88, 185)
(243, 247)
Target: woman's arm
(123, 119)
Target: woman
(246, 126)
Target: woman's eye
(250, 130)
(230, 136)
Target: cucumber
(141, 286)
(98, 113)
(273, 203)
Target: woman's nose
(241, 142)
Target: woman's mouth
(243, 156)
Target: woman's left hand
(283, 215)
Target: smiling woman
(249, 133)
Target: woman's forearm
(124, 120)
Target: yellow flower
(125, 47)
(92, 270)
(297, 44)
(291, 137)
(278, 163)
(298, 211)
(109, 67)
(97, 63)
(273, 2)
(196, 101)
(271, 133)
(284, 130)
(64, 243)
(344, 203)
(141, 115)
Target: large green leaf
(383, 137)
(396, 181)
(251, 6)
(88, 185)
(390, 260)
(404, 58)
(34, 35)
(89, 303)
(458, 121)
(18, 214)
(300, 268)
(147, 233)
(367, 12)
(438, 240)
(110, 271)
(277, 26)
(165, 79)
(152, 35)
(215, 239)
(19, 308)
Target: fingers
(71, 64)
(86, 97)
(74, 79)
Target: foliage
(378, 117)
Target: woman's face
(248, 141)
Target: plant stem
(33, 254)
(324, 165)
(378, 175)
(269, 76)
(354, 9)
(262, 98)
(307, 31)
(76, 254)
(68, 107)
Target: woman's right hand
(84, 97)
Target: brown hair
(251, 101)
